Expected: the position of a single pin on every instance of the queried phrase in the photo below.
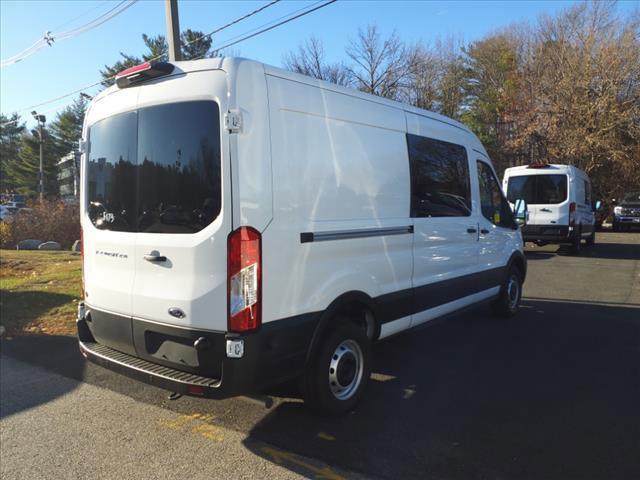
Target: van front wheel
(335, 379)
(508, 301)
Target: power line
(245, 36)
(49, 38)
(264, 30)
(92, 9)
(117, 10)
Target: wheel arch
(519, 261)
(354, 304)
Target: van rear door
(183, 213)
(545, 194)
(109, 236)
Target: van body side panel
(251, 146)
(341, 169)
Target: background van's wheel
(576, 246)
(508, 301)
(337, 375)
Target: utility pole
(41, 119)
(173, 29)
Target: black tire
(508, 301)
(576, 246)
(322, 394)
(591, 241)
(616, 227)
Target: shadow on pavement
(552, 393)
(24, 387)
(611, 251)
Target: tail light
(572, 214)
(244, 282)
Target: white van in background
(560, 206)
(244, 225)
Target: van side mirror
(598, 205)
(520, 212)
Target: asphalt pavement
(550, 394)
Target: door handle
(484, 231)
(545, 210)
(155, 258)
(471, 230)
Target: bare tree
(309, 60)
(380, 66)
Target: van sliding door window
(440, 185)
(156, 170)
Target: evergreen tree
(23, 170)
(11, 130)
(67, 127)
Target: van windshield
(155, 170)
(538, 189)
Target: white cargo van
(559, 201)
(245, 225)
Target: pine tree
(67, 128)
(11, 130)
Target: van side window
(440, 185)
(494, 206)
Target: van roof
(232, 64)
(549, 168)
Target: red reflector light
(142, 72)
(195, 390)
(538, 165)
(244, 280)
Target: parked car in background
(5, 213)
(626, 213)
(561, 209)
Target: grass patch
(39, 292)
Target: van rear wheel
(508, 301)
(335, 378)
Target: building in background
(69, 176)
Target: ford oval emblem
(177, 312)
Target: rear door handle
(545, 210)
(155, 258)
(484, 231)
(472, 230)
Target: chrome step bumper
(151, 373)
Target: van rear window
(156, 170)
(538, 189)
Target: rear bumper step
(151, 373)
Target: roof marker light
(140, 73)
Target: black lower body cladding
(165, 356)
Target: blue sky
(76, 62)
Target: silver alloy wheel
(346, 369)
(513, 292)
